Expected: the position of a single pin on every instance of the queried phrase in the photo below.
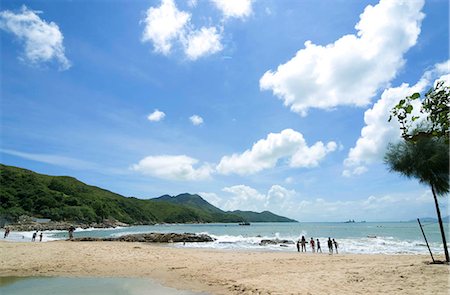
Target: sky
(253, 104)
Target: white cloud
(311, 156)
(234, 8)
(179, 167)
(196, 120)
(378, 132)
(384, 207)
(243, 197)
(267, 152)
(350, 70)
(156, 116)
(164, 25)
(291, 204)
(53, 160)
(167, 27)
(202, 42)
(211, 198)
(43, 41)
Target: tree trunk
(440, 224)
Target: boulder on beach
(275, 242)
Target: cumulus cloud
(234, 8)
(378, 132)
(350, 70)
(196, 120)
(166, 26)
(290, 203)
(243, 197)
(202, 42)
(179, 167)
(264, 154)
(43, 40)
(163, 25)
(156, 116)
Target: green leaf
(415, 96)
(409, 109)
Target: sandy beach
(229, 272)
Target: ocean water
(359, 238)
(83, 286)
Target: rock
(275, 242)
(153, 238)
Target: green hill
(197, 202)
(24, 192)
(194, 201)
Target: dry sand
(229, 272)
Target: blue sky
(256, 105)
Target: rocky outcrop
(275, 242)
(153, 238)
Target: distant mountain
(194, 201)
(63, 198)
(432, 219)
(197, 202)
(200, 206)
(265, 216)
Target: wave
(375, 245)
(354, 245)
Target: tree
(423, 153)
(435, 108)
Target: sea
(355, 238)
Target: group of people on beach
(35, 234)
(315, 245)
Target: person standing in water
(71, 230)
(318, 246)
(335, 246)
(40, 237)
(298, 245)
(6, 232)
(303, 242)
(33, 239)
(330, 246)
(312, 245)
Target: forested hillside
(24, 192)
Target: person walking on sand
(298, 245)
(303, 243)
(33, 239)
(312, 245)
(330, 246)
(40, 237)
(335, 246)
(318, 246)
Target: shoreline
(228, 272)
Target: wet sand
(229, 272)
